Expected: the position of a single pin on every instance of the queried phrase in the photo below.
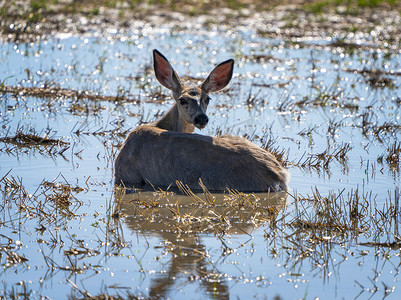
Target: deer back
(161, 157)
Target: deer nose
(201, 121)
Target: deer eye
(207, 100)
(183, 101)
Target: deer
(167, 151)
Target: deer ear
(219, 77)
(165, 73)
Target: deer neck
(173, 122)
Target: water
(309, 97)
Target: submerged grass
(322, 161)
(43, 218)
(50, 203)
(26, 139)
(314, 231)
(314, 227)
(53, 92)
(392, 156)
(190, 211)
(333, 218)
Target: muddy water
(333, 107)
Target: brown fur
(167, 150)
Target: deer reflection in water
(181, 221)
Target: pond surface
(332, 106)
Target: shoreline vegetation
(27, 21)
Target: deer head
(192, 102)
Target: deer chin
(200, 126)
